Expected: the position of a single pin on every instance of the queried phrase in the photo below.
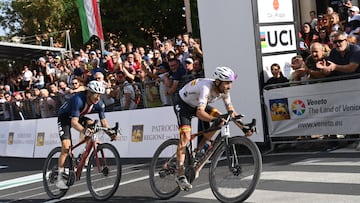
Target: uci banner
(320, 108)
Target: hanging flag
(90, 19)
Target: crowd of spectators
(135, 77)
(330, 50)
(329, 46)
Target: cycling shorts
(184, 112)
(64, 126)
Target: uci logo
(276, 38)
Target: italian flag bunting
(90, 19)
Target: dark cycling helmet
(224, 74)
(96, 87)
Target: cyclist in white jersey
(193, 100)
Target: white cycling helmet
(224, 74)
(96, 87)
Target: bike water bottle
(206, 146)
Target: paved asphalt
(291, 173)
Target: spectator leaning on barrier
(344, 58)
(316, 54)
(299, 73)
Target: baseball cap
(106, 53)
(189, 60)
(93, 52)
(354, 8)
(58, 57)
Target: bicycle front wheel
(103, 172)
(235, 170)
(162, 172)
(50, 175)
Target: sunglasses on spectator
(339, 41)
(74, 83)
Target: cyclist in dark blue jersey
(72, 114)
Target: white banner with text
(320, 108)
(142, 131)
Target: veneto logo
(298, 107)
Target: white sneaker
(60, 183)
(183, 183)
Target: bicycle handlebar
(237, 120)
(96, 128)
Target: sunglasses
(339, 41)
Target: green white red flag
(90, 19)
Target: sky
(2, 32)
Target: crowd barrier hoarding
(318, 108)
(17, 138)
(142, 131)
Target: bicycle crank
(237, 170)
(190, 173)
(70, 178)
(105, 171)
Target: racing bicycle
(235, 168)
(101, 160)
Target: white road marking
(3, 166)
(20, 181)
(87, 192)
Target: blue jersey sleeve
(100, 108)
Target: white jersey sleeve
(200, 92)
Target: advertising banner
(275, 11)
(4, 136)
(142, 131)
(47, 136)
(21, 138)
(321, 108)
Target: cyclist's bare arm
(104, 123)
(76, 125)
(113, 135)
(230, 107)
(203, 115)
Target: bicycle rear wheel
(50, 174)
(235, 170)
(162, 172)
(103, 172)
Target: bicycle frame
(90, 146)
(216, 143)
(103, 182)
